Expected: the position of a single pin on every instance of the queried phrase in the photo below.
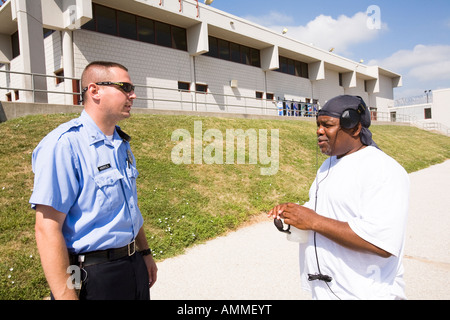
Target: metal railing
(34, 79)
(153, 97)
(433, 126)
(162, 98)
(150, 97)
(390, 117)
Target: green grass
(182, 204)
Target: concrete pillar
(197, 38)
(68, 64)
(316, 70)
(270, 59)
(349, 79)
(31, 44)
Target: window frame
(174, 37)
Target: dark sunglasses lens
(127, 87)
(279, 224)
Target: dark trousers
(122, 279)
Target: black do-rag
(336, 106)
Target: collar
(95, 134)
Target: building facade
(430, 111)
(181, 54)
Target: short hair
(100, 74)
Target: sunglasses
(280, 226)
(125, 86)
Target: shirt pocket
(109, 192)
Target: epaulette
(122, 134)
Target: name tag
(104, 167)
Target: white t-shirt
(369, 190)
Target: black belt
(101, 256)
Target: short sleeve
(384, 209)
(55, 170)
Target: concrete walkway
(258, 263)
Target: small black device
(351, 117)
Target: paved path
(258, 263)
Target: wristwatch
(146, 252)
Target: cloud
(270, 19)
(423, 67)
(423, 63)
(324, 31)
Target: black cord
(319, 276)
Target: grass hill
(182, 204)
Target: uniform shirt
(369, 190)
(92, 180)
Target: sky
(409, 37)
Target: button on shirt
(92, 180)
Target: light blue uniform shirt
(79, 172)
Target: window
(340, 80)
(283, 65)
(47, 32)
(9, 96)
(201, 87)
(235, 54)
(293, 67)
(59, 73)
(183, 86)
(255, 58)
(213, 47)
(245, 55)
(127, 25)
(15, 44)
(179, 40)
(146, 30)
(427, 113)
(259, 95)
(226, 50)
(270, 96)
(106, 20)
(304, 70)
(163, 37)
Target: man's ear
(93, 91)
(356, 130)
